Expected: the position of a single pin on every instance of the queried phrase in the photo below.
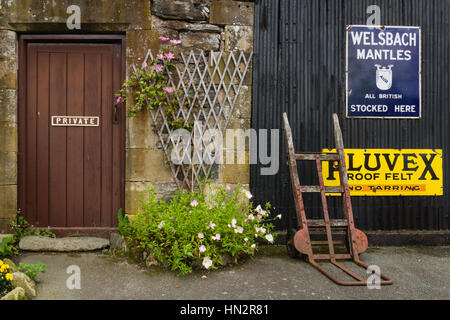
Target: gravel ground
(418, 273)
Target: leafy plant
(148, 88)
(7, 247)
(198, 228)
(5, 279)
(21, 228)
(31, 269)
(123, 223)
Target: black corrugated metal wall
(299, 68)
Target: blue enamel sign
(383, 72)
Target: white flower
(246, 239)
(239, 230)
(201, 235)
(260, 210)
(251, 217)
(207, 262)
(202, 248)
(269, 238)
(216, 237)
(212, 225)
(233, 223)
(263, 230)
(248, 194)
(161, 225)
(279, 216)
(229, 226)
(253, 246)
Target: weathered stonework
(226, 12)
(193, 10)
(199, 24)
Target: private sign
(389, 172)
(383, 72)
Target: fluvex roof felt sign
(389, 172)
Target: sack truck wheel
(291, 250)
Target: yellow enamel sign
(389, 172)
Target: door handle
(115, 115)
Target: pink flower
(246, 239)
(228, 187)
(118, 99)
(175, 41)
(200, 235)
(159, 56)
(194, 203)
(144, 65)
(169, 90)
(169, 55)
(164, 39)
(202, 248)
(158, 68)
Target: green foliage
(21, 228)
(198, 228)
(5, 279)
(7, 247)
(31, 269)
(123, 224)
(148, 88)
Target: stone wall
(200, 24)
(8, 127)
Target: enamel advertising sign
(383, 76)
(389, 172)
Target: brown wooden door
(72, 176)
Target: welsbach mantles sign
(383, 72)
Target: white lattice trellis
(209, 83)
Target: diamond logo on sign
(384, 77)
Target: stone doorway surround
(223, 25)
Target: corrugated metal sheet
(299, 68)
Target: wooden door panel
(73, 176)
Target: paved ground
(418, 273)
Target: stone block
(140, 132)
(15, 294)
(21, 280)
(45, 12)
(8, 168)
(243, 106)
(235, 173)
(191, 10)
(8, 45)
(8, 201)
(184, 26)
(200, 40)
(228, 12)
(149, 165)
(4, 224)
(8, 74)
(8, 105)
(66, 244)
(138, 43)
(135, 192)
(239, 38)
(8, 136)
